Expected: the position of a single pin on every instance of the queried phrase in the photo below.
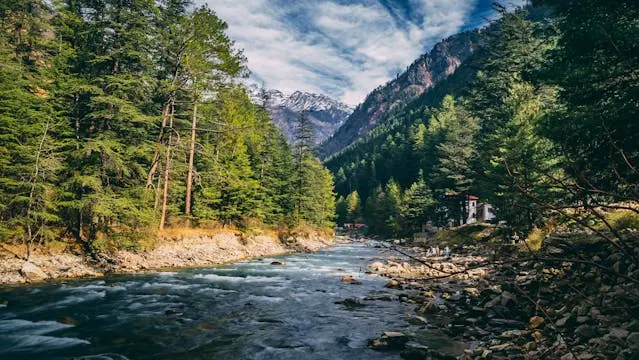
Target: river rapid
(246, 310)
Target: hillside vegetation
(121, 118)
(539, 121)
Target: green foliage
(596, 67)
(97, 101)
(540, 119)
(417, 206)
(353, 206)
(623, 220)
(312, 183)
(29, 150)
(391, 208)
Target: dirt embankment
(183, 252)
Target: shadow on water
(247, 310)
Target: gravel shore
(185, 252)
(570, 301)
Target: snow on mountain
(326, 114)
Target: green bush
(621, 220)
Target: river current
(246, 310)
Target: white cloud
(344, 51)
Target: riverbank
(185, 251)
(572, 300)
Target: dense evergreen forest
(121, 117)
(541, 122)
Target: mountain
(326, 114)
(427, 71)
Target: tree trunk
(156, 155)
(165, 114)
(36, 173)
(189, 178)
(167, 171)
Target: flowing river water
(246, 310)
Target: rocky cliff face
(326, 114)
(420, 76)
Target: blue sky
(342, 48)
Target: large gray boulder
(32, 273)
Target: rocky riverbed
(569, 301)
(177, 252)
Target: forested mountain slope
(536, 121)
(425, 73)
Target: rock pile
(570, 301)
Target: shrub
(535, 239)
(621, 220)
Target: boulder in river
(278, 263)
(67, 320)
(172, 312)
(376, 266)
(393, 284)
(428, 307)
(390, 340)
(351, 280)
(416, 320)
(350, 303)
(32, 272)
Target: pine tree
(453, 175)
(373, 212)
(341, 211)
(275, 178)
(303, 145)
(417, 206)
(391, 207)
(209, 60)
(227, 183)
(595, 66)
(29, 150)
(353, 206)
(319, 209)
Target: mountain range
(326, 114)
(337, 125)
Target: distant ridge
(423, 74)
(326, 114)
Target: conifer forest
(326, 179)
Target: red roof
(472, 197)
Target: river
(246, 310)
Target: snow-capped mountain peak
(298, 101)
(325, 113)
(305, 101)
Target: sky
(342, 48)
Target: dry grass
(467, 234)
(146, 239)
(289, 235)
(13, 250)
(535, 240)
(183, 232)
(623, 219)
